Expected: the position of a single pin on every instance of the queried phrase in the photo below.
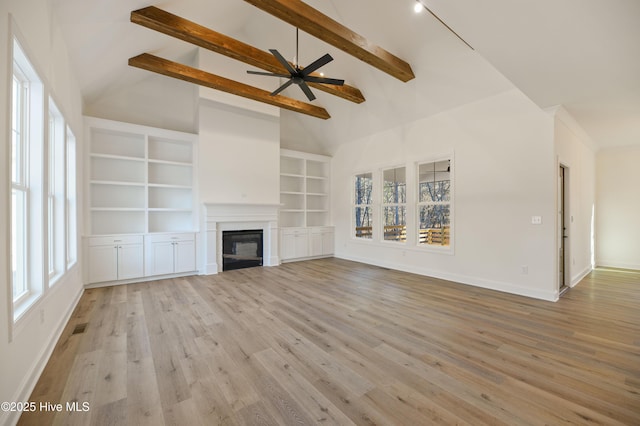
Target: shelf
(117, 222)
(113, 142)
(292, 166)
(291, 193)
(318, 194)
(171, 221)
(291, 175)
(317, 177)
(164, 185)
(117, 209)
(170, 174)
(117, 170)
(172, 151)
(118, 157)
(111, 182)
(293, 210)
(175, 163)
(168, 210)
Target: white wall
(574, 150)
(156, 101)
(24, 352)
(503, 174)
(239, 155)
(618, 207)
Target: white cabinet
(115, 258)
(170, 253)
(301, 243)
(294, 243)
(321, 241)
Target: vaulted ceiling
(583, 54)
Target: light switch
(536, 220)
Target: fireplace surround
(221, 217)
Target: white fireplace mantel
(221, 217)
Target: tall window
(71, 203)
(55, 194)
(434, 203)
(363, 187)
(26, 182)
(19, 183)
(394, 199)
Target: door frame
(563, 227)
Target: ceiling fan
(300, 76)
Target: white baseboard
(550, 295)
(576, 279)
(31, 379)
(620, 265)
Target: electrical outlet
(525, 269)
(536, 220)
(41, 316)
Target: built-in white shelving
(140, 179)
(305, 216)
(141, 184)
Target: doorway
(564, 221)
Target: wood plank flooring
(336, 342)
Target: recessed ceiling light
(417, 8)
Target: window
(19, 188)
(56, 234)
(26, 182)
(71, 195)
(394, 199)
(363, 187)
(434, 203)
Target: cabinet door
(302, 244)
(160, 258)
(185, 256)
(288, 246)
(316, 244)
(130, 261)
(327, 242)
(103, 263)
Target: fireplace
(222, 217)
(241, 249)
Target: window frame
(56, 198)
(32, 172)
(355, 206)
(384, 205)
(451, 203)
(71, 199)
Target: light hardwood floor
(336, 342)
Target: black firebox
(241, 249)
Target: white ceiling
(583, 54)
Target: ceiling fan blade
(281, 88)
(307, 91)
(316, 64)
(283, 61)
(324, 80)
(270, 74)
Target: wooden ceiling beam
(183, 72)
(319, 25)
(183, 29)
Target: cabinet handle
(117, 241)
